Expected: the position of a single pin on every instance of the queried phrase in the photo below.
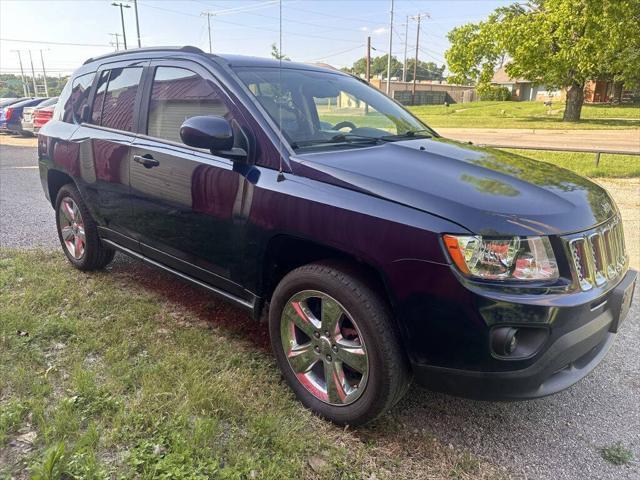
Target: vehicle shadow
(201, 304)
(533, 438)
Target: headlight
(515, 258)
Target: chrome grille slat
(598, 255)
(599, 258)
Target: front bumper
(570, 356)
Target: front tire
(78, 232)
(334, 340)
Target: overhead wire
(255, 27)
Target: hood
(487, 191)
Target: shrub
(494, 93)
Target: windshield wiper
(336, 139)
(407, 134)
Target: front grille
(598, 255)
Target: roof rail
(186, 49)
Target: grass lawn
(526, 115)
(611, 166)
(130, 373)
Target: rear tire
(362, 356)
(78, 232)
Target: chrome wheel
(72, 227)
(324, 347)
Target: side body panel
(187, 204)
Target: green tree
(11, 85)
(425, 70)
(558, 43)
(277, 54)
(378, 66)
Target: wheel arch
(56, 179)
(285, 253)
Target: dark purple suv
(378, 251)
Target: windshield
(321, 109)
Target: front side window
(178, 94)
(120, 98)
(314, 108)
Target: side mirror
(211, 132)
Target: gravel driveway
(557, 437)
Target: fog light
(504, 340)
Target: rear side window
(74, 99)
(114, 105)
(98, 99)
(178, 94)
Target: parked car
(378, 250)
(6, 103)
(42, 116)
(29, 114)
(11, 116)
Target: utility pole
(25, 87)
(135, 9)
(33, 72)
(390, 47)
(209, 15)
(44, 74)
(406, 42)
(368, 71)
(124, 32)
(117, 35)
(415, 65)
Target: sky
(335, 32)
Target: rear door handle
(146, 160)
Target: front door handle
(146, 160)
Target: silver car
(29, 112)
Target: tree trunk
(617, 92)
(575, 99)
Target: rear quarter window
(74, 99)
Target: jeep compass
(379, 252)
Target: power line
(335, 54)
(255, 27)
(231, 11)
(359, 20)
(301, 22)
(434, 55)
(54, 43)
(14, 70)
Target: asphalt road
(557, 437)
